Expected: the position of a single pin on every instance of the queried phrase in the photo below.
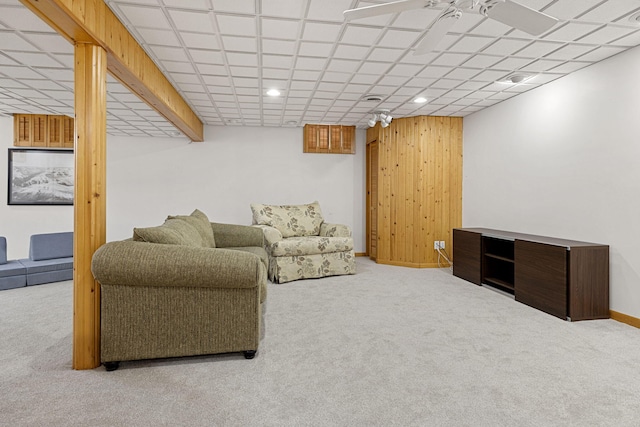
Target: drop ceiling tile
(191, 4)
(433, 71)
(200, 41)
(470, 44)
(489, 76)
(51, 43)
(178, 67)
(237, 25)
(482, 61)
(610, 10)
(392, 80)
(242, 59)
(606, 35)
(20, 73)
(231, 6)
(66, 60)
(506, 47)
(328, 10)
(211, 69)
(278, 46)
(385, 54)
(572, 31)
(280, 28)
(538, 49)
(240, 44)
(315, 49)
(399, 38)
(343, 65)
(5, 60)
(275, 73)
(307, 63)
(600, 53)
(142, 16)
(460, 73)
(570, 51)
(169, 53)
(631, 40)
(153, 36)
(277, 61)
(365, 78)
(321, 32)
(16, 16)
(541, 65)
(570, 66)
(446, 84)
(10, 41)
(512, 63)
(358, 35)
(450, 59)
(243, 71)
(351, 52)
(376, 68)
(206, 56)
(244, 82)
(283, 8)
(405, 69)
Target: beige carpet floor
(389, 346)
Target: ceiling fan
(508, 12)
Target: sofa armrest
(271, 234)
(132, 263)
(234, 235)
(334, 230)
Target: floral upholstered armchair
(301, 245)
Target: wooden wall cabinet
(335, 139)
(566, 278)
(44, 131)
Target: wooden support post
(90, 201)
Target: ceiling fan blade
(383, 9)
(437, 31)
(520, 17)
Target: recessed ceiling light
(273, 92)
(291, 123)
(515, 78)
(635, 18)
(420, 100)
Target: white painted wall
(18, 223)
(150, 178)
(563, 160)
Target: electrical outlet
(441, 244)
(438, 244)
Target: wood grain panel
(89, 199)
(589, 282)
(541, 277)
(420, 187)
(467, 259)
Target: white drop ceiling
(223, 56)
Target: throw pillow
(200, 222)
(172, 232)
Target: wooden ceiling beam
(91, 21)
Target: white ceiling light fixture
(273, 92)
(516, 78)
(420, 100)
(384, 116)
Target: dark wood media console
(565, 278)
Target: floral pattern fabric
(334, 230)
(288, 268)
(310, 245)
(290, 220)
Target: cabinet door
(335, 139)
(467, 260)
(55, 131)
(68, 132)
(22, 130)
(541, 277)
(348, 139)
(39, 129)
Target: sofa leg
(111, 366)
(249, 354)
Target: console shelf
(566, 278)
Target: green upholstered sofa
(301, 245)
(188, 287)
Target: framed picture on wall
(40, 177)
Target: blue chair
(12, 273)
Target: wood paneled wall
(419, 188)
